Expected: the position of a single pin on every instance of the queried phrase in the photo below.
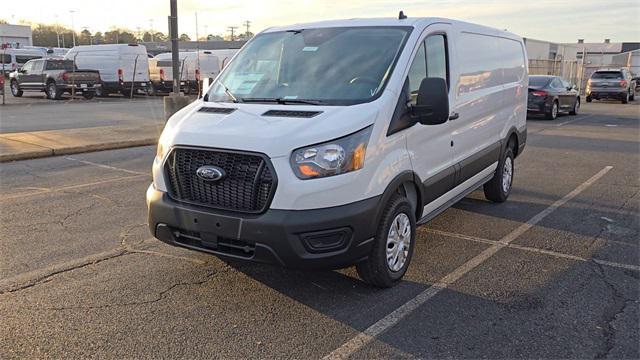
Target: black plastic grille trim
(217, 110)
(292, 113)
(248, 186)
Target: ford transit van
(324, 145)
(122, 67)
(193, 66)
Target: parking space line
(533, 249)
(69, 187)
(105, 166)
(574, 120)
(363, 338)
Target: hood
(247, 128)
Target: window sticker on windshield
(290, 97)
(310, 48)
(243, 84)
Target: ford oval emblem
(210, 173)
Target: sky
(552, 20)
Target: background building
(15, 35)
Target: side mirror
(432, 105)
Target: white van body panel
(107, 59)
(14, 57)
(189, 61)
(486, 117)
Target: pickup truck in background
(54, 77)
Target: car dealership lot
(551, 273)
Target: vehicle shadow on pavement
(337, 294)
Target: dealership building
(15, 36)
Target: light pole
(73, 30)
(57, 30)
(151, 24)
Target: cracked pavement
(80, 275)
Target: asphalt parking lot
(34, 112)
(552, 273)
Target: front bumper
(328, 238)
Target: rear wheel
(625, 99)
(88, 95)
(52, 91)
(392, 246)
(552, 114)
(100, 92)
(126, 92)
(499, 187)
(151, 90)
(15, 89)
(589, 99)
(576, 107)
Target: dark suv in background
(611, 84)
(54, 77)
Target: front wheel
(625, 99)
(100, 92)
(15, 90)
(576, 107)
(589, 99)
(88, 95)
(392, 246)
(499, 187)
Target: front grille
(248, 184)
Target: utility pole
(87, 29)
(57, 30)
(151, 25)
(173, 31)
(206, 32)
(73, 30)
(247, 24)
(232, 29)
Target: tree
(98, 38)
(184, 37)
(47, 35)
(214, 37)
(3, 21)
(85, 37)
(119, 36)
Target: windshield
(607, 75)
(538, 81)
(332, 66)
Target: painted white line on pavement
(363, 338)
(535, 250)
(575, 119)
(106, 166)
(69, 187)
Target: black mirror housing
(432, 105)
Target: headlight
(160, 152)
(334, 157)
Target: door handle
(454, 116)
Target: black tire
(576, 107)
(15, 89)
(552, 114)
(187, 90)
(151, 90)
(375, 270)
(633, 95)
(496, 189)
(589, 99)
(88, 95)
(52, 91)
(126, 92)
(100, 91)
(625, 99)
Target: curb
(48, 152)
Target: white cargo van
(121, 66)
(13, 59)
(193, 66)
(324, 145)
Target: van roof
(417, 22)
(111, 47)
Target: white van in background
(324, 145)
(13, 59)
(194, 66)
(122, 67)
(224, 56)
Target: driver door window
(417, 72)
(27, 67)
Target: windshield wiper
(282, 101)
(227, 91)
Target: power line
(247, 24)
